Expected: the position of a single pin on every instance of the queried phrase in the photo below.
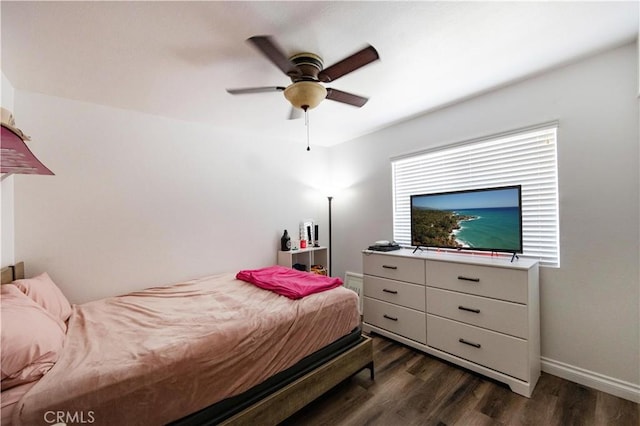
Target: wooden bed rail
(12, 273)
(276, 407)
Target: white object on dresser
(306, 256)
(478, 311)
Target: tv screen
(481, 219)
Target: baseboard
(591, 379)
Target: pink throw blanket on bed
(288, 282)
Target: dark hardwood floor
(412, 388)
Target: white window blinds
(526, 158)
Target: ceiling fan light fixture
(305, 94)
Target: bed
(215, 350)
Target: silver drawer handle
(389, 267)
(463, 278)
(475, 345)
(462, 308)
(391, 318)
(389, 291)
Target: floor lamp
(330, 263)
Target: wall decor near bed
(16, 156)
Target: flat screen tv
(488, 219)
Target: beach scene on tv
(482, 220)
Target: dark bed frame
(287, 392)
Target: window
(526, 157)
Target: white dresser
(477, 311)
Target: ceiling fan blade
(295, 113)
(349, 64)
(346, 98)
(255, 90)
(274, 53)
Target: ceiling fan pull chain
(306, 123)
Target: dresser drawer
(397, 292)
(494, 350)
(497, 283)
(497, 315)
(403, 321)
(394, 267)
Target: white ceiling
(176, 59)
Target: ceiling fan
(306, 71)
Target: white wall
(140, 200)
(590, 305)
(6, 192)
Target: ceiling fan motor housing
(308, 65)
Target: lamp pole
(330, 263)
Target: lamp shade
(305, 94)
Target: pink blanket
(288, 282)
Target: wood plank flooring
(412, 388)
